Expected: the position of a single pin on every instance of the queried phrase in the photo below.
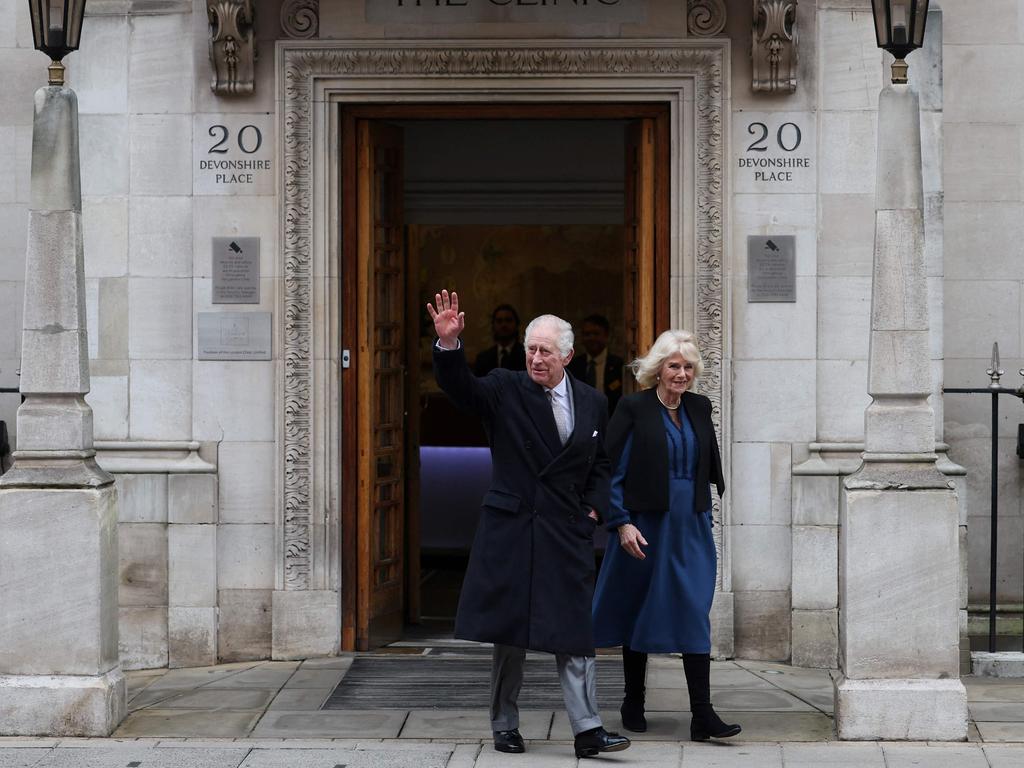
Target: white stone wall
(984, 202)
(142, 78)
(24, 71)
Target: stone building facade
(232, 474)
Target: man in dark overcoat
(530, 580)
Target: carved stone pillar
(774, 51)
(232, 47)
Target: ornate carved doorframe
(313, 77)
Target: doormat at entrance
(425, 682)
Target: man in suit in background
(530, 580)
(598, 367)
(507, 352)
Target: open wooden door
(382, 372)
(638, 270)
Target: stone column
(899, 557)
(59, 667)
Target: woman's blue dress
(661, 604)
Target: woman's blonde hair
(646, 368)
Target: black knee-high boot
(634, 670)
(704, 723)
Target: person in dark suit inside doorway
(507, 352)
(598, 367)
(530, 579)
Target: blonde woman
(657, 582)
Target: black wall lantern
(56, 31)
(899, 28)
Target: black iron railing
(994, 390)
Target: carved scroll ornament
(232, 47)
(300, 19)
(774, 52)
(705, 18)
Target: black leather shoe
(509, 741)
(589, 743)
(633, 716)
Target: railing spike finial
(994, 372)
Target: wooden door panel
(639, 308)
(382, 371)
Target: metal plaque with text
(771, 268)
(234, 335)
(236, 270)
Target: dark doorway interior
(528, 213)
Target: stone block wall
(24, 71)
(984, 277)
(167, 552)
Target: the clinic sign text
(505, 11)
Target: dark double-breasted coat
(530, 580)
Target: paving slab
(21, 757)
(1013, 692)
(193, 678)
(739, 700)
(187, 722)
(464, 756)
(996, 712)
(661, 726)
(833, 755)
(331, 662)
(539, 754)
(734, 755)
(1004, 756)
(470, 723)
(218, 699)
(316, 678)
(144, 758)
(1001, 731)
(938, 756)
(367, 724)
(428, 756)
(258, 677)
(300, 699)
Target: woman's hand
(631, 540)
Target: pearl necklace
(670, 407)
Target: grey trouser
(577, 674)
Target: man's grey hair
(563, 332)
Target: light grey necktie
(559, 413)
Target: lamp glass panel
(900, 22)
(73, 33)
(880, 8)
(39, 12)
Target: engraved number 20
(249, 144)
(760, 144)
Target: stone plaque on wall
(233, 154)
(514, 11)
(236, 270)
(774, 152)
(771, 268)
(234, 335)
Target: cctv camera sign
(236, 270)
